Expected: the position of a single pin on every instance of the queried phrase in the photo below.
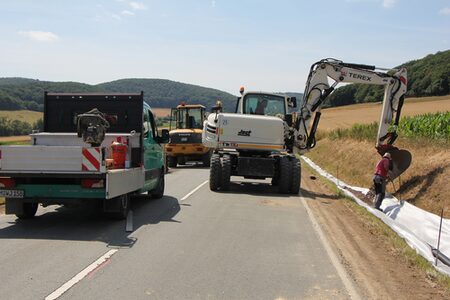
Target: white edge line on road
(334, 259)
(194, 190)
(77, 278)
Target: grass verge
(378, 227)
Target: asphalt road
(249, 243)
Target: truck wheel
(226, 172)
(181, 160)
(172, 161)
(206, 159)
(29, 211)
(285, 173)
(159, 191)
(215, 172)
(122, 205)
(295, 186)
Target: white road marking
(193, 191)
(334, 260)
(77, 278)
(129, 225)
(104, 258)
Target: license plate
(184, 139)
(12, 193)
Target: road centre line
(194, 190)
(77, 278)
(99, 262)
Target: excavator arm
(318, 89)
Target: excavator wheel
(215, 172)
(285, 174)
(226, 173)
(206, 159)
(295, 185)
(401, 160)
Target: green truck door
(153, 153)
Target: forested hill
(167, 93)
(23, 93)
(428, 76)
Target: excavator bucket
(401, 160)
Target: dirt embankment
(424, 184)
(379, 268)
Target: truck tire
(158, 192)
(215, 172)
(295, 185)
(29, 211)
(284, 183)
(206, 159)
(123, 205)
(226, 173)
(172, 161)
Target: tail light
(92, 183)
(7, 182)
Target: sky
(223, 44)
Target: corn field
(434, 126)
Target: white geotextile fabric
(419, 228)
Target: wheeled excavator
(261, 138)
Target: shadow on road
(87, 224)
(256, 188)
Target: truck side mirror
(292, 102)
(164, 138)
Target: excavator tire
(226, 172)
(181, 160)
(206, 159)
(295, 185)
(215, 172)
(285, 173)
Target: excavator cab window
(261, 104)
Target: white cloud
(127, 13)
(40, 36)
(388, 3)
(137, 5)
(445, 11)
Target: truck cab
(60, 167)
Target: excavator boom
(318, 89)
